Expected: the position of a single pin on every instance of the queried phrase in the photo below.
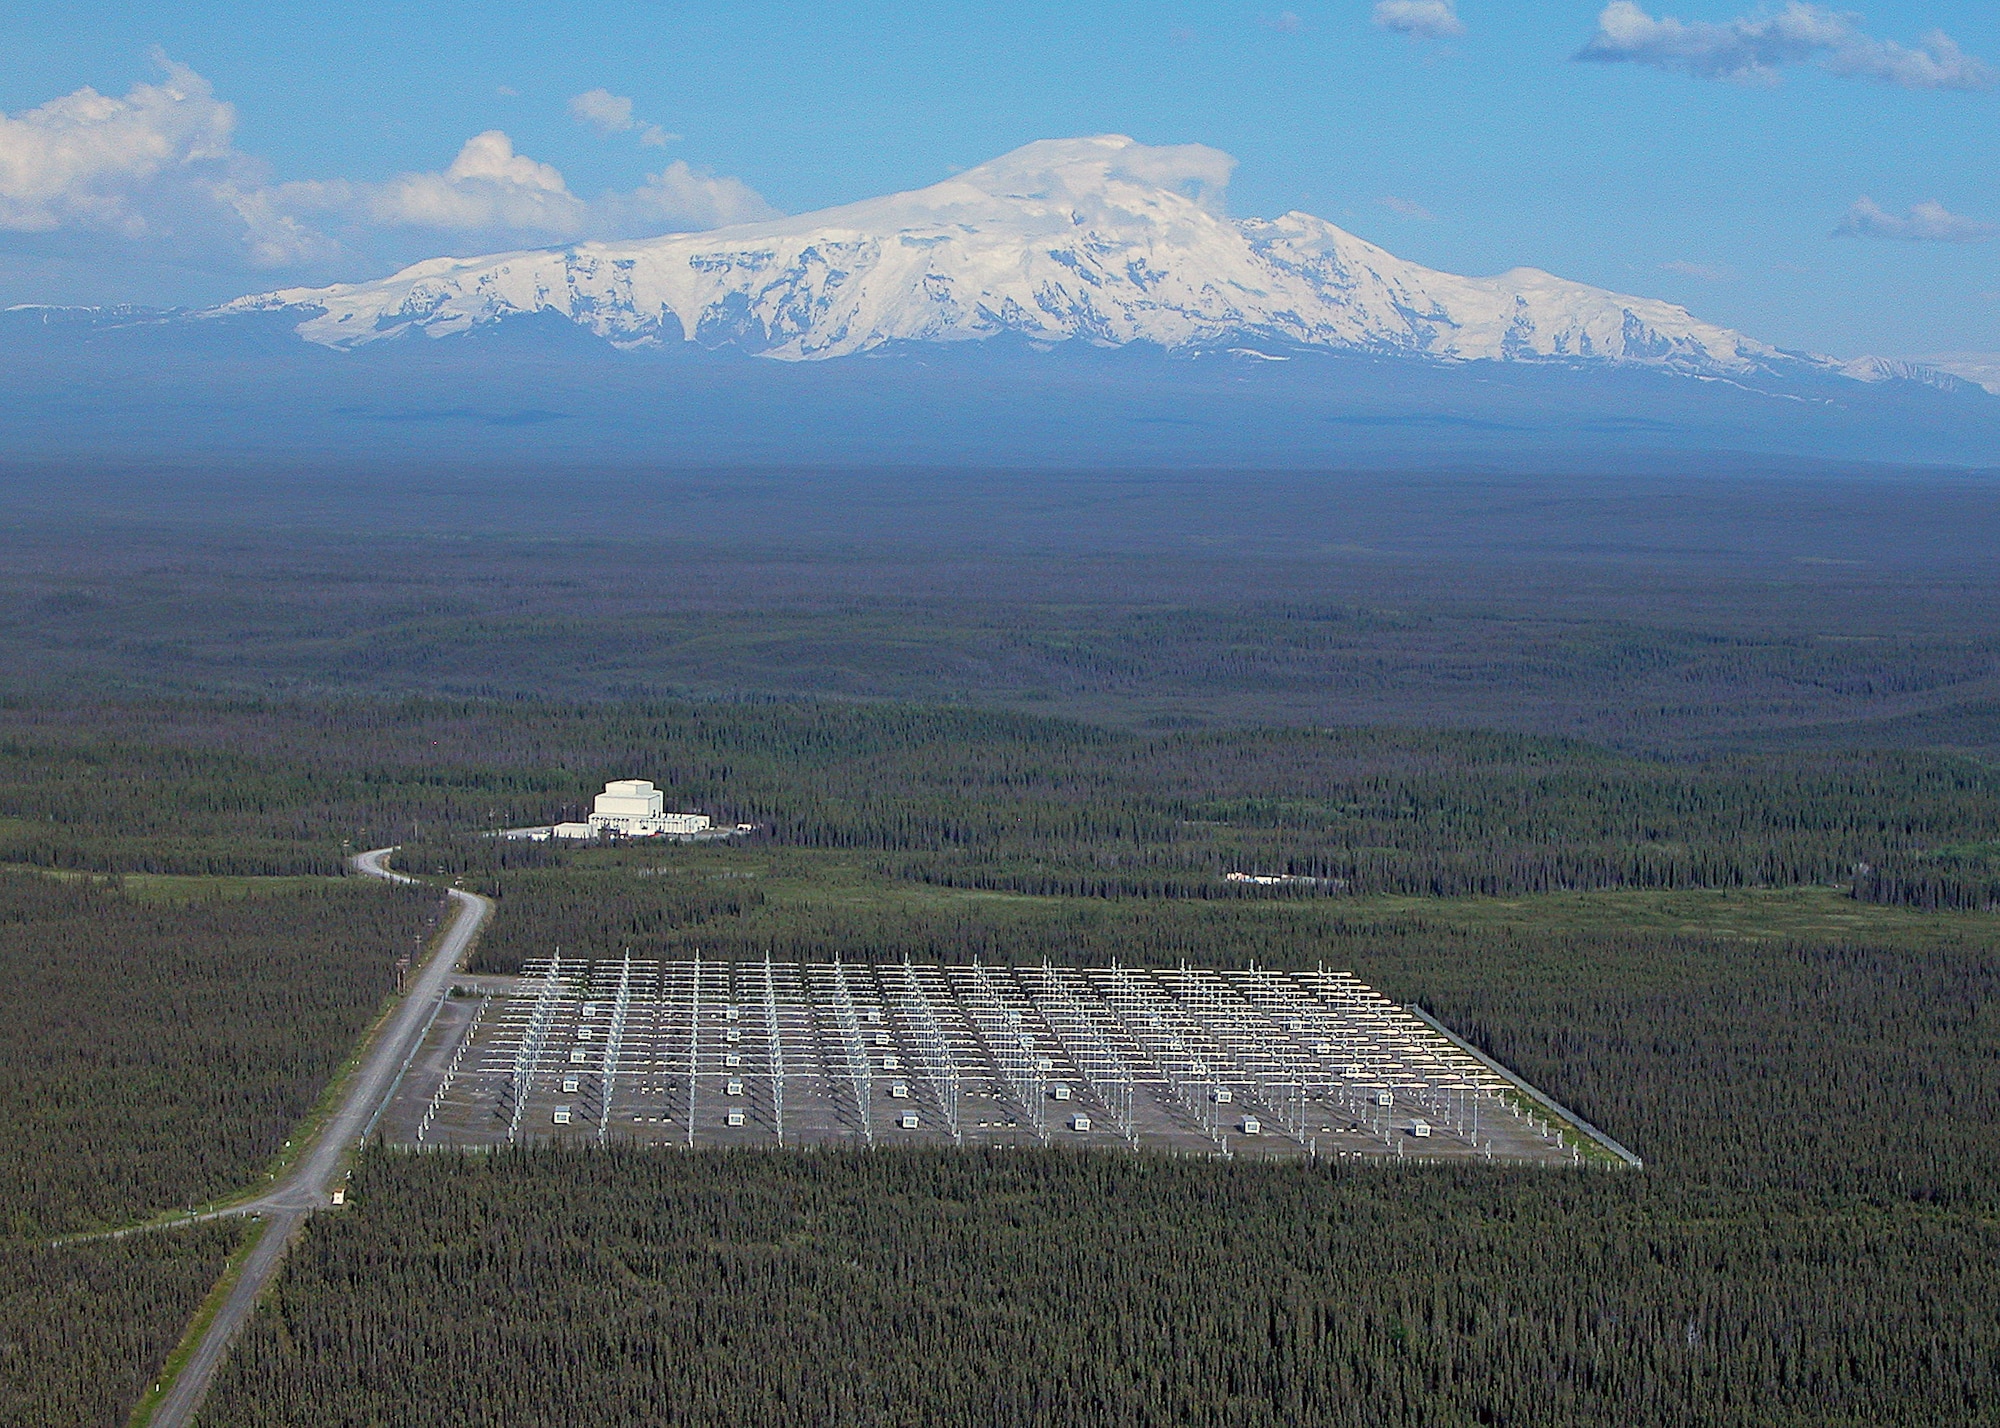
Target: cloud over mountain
(487, 186)
(1754, 48)
(1927, 222)
(124, 165)
(491, 189)
(160, 167)
(610, 113)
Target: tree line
(970, 798)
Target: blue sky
(1467, 138)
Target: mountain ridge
(1099, 240)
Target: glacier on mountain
(1100, 240)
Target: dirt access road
(309, 1186)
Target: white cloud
(1285, 23)
(159, 167)
(1754, 48)
(1928, 222)
(87, 159)
(610, 113)
(1424, 19)
(490, 189)
(273, 232)
(488, 186)
(1196, 170)
(604, 111)
(682, 196)
(1406, 207)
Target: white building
(633, 808)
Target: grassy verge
(796, 881)
(232, 1270)
(173, 888)
(323, 1109)
(1759, 914)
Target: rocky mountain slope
(1100, 240)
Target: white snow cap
(1102, 240)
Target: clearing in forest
(717, 1053)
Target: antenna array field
(708, 1053)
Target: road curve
(310, 1182)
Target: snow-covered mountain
(1101, 240)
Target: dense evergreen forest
(983, 800)
(1815, 1112)
(163, 1052)
(84, 1328)
(1695, 603)
(157, 1050)
(1811, 1243)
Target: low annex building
(633, 808)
